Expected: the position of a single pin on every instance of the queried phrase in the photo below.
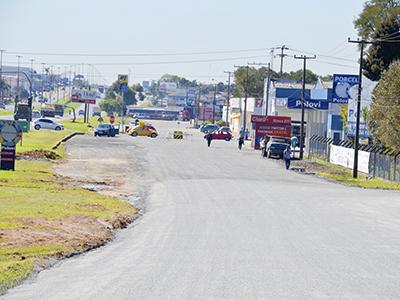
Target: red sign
(271, 126)
(112, 119)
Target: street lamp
(214, 100)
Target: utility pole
(229, 95)
(246, 90)
(282, 56)
(43, 70)
(1, 75)
(357, 133)
(304, 58)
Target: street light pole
(17, 95)
(304, 58)
(229, 95)
(214, 102)
(1, 75)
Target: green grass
(6, 112)
(32, 191)
(345, 176)
(42, 140)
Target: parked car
(47, 124)
(209, 128)
(225, 128)
(143, 130)
(2, 106)
(105, 129)
(36, 114)
(275, 149)
(220, 135)
(81, 112)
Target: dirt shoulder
(54, 210)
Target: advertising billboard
(271, 126)
(87, 97)
(344, 87)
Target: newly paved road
(224, 224)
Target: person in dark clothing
(209, 139)
(240, 142)
(287, 155)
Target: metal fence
(383, 162)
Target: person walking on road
(209, 139)
(240, 142)
(286, 155)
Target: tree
(383, 117)
(298, 76)
(373, 14)
(379, 56)
(111, 106)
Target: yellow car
(143, 130)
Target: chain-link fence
(382, 162)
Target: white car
(47, 124)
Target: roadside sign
(87, 97)
(7, 158)
(10, 135)
(10, 132)
(271, 126)
(343, 85)
(122, 78)
(308, 104)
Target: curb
(68, 137)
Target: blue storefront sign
(351, 129)
(308, 104)
(342, 84)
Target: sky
(177, 36)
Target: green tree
(298, 76)
(343, 113)
(379, 56)
(373, 14)
(383, 117)
(111, 106)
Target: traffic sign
(10, 132)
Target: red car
(221, 135)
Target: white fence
(345, 157)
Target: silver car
(47, 124)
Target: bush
(222, 123)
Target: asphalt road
(224, 224)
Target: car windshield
(278, 146)
(104, 126)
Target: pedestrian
(286, 155)
(240, 142)
(209, 139)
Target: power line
(138, 54)
(160, 62)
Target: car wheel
(57, 128)
(153, 135)
(134, 133)
(37, 126)
(227, 139)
